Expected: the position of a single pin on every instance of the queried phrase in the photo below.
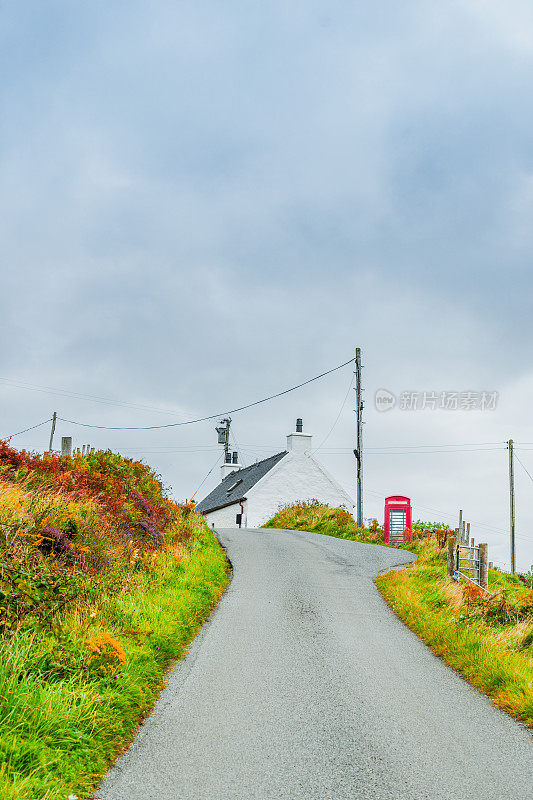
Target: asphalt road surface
(305, 686)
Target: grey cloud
(202, 204)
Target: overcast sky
(205, 203)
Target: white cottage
(250, 496)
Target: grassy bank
(104, 582)
(310, 515)
(488, 638)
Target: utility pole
(54, 418)
(226, 446)
(359, 449)
(511, 503)
(223, 436)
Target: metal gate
(397, 525)
(467, 563)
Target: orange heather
(105, 646)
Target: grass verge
(487, 639)
(60, 731)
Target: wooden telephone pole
(359, 450)
(510, 445)
(54, 418)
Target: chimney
(299, 442)
(231, 464)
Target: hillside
(103, 581)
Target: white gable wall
(296, 477)
(226, 517)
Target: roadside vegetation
(310, 515)
(487, 637)
(103, 582)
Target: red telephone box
(398, 521)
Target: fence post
(451, 556)
(483, 566)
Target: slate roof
(236, 485)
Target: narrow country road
(305, 686)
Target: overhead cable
(30, 428)
(81, 396)
(523, 466)
(426, 452)
(338, 415)
(210, 416)
(206, 477)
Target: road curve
(305, 686)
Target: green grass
(61, 724)
(494, 655)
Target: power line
(232, 434)
(490, 528)
(338, 415)
(170, 448)
(29, 429)
(207, 476)
(387, 452)
(81, 396)
(152, 451)
(406, 448)
(426, 452)
(523, 467)
(441, 444)
(211, 416)
(438, 511)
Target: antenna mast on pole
(359, 449)
(226, 446)
(223, 436)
